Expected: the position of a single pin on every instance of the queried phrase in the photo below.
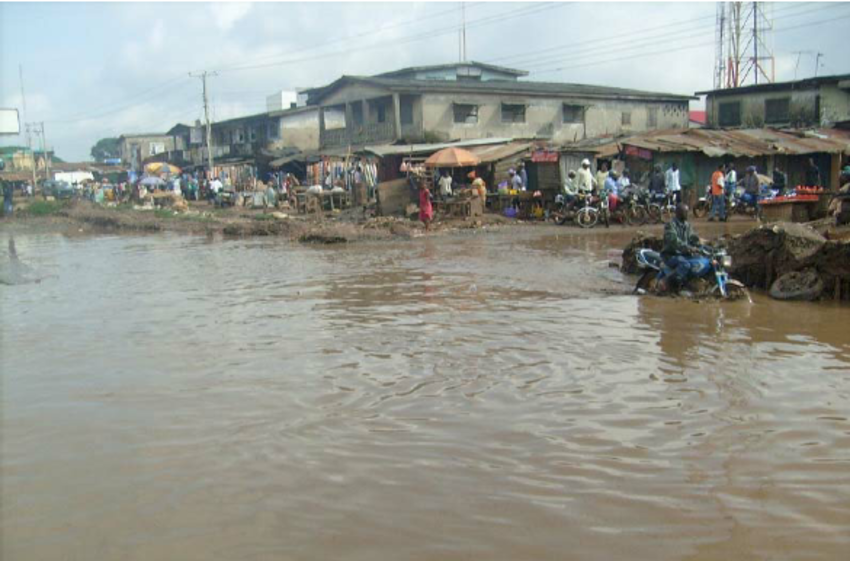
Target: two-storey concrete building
(817, 102)
(136, 148)
(474, 100)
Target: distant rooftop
(437, 67)
(793, 85)
(496, 86)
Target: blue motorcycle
(707, 276)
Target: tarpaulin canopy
(452, 158)
(162, 168)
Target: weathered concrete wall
(300, 130)
(132, 145)
(544, 117)
(834, 106)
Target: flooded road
(494, 396)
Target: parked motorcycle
(595, 209)
(662, 208)
(703, 205)
(631, 208)
(709, 275)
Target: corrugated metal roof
(509, 87)
(495, 153)
(737, 143)
(400, 149)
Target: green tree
(105, 149)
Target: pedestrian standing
(601, 175)
(718, 198)
(674, 188)
(426, 210)
(8, 194)
(446, 185)
(523, 174)
(813, 177)
(730, 181)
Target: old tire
(797, 285)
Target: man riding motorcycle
(680, 243)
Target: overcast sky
(97, 70)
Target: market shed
(697, 152)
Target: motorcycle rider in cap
(680, 243)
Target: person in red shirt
(426, 210)
(718, 200)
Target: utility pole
(203, 76)
(817, 63)
(44, 152)
(463, 29)
(31, 129)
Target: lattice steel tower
(743, 50)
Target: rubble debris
(640, 241)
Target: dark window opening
(626, 118)
(382, 113)
(776, 110)
(513, 113)
(357, 113)
(730, 114)
(651, 117)
(464, 113)
(406, 111)
(573, 113)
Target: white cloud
(226, 15)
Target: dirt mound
(640, 241)
(764, 253)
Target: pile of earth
(792, 261)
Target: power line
(536, 8)
(667, 51)
(643, 41)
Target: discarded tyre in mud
(797, 285)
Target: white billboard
(9, 122)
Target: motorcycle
(708, 274)
(743, 203)
(595, 209)
(703, 204)
(662, 208)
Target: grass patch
(44, 208)
(263, 217)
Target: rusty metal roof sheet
(737, 142)
(495, 153)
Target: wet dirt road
(494, 396)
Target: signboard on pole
(10, 123)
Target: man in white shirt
(446, 185)
(215, 186)
(584, 178)
(673, 185)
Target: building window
(357, 113)
(513, 113)
(651, 117)
(382, 113)
(573, 114)
(776, 110)
(238, 136)
(273, 130)
(406, 110)
(626, 118)
(730, 114)
(465, 113)
(156, 148)
(252, 134)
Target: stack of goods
(800, 194)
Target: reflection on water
(498, 397)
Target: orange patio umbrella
(452, 158)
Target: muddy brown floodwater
(494, 396)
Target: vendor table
(788, 211)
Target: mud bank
(791, 261)
(333, 228)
